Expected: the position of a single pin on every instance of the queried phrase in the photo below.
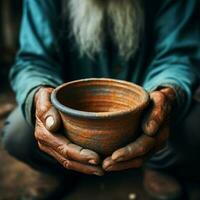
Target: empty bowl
(100, 114)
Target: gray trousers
(182, 150)
(18, 140)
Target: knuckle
(158, 97)
(43, 109)
(83, 151)
(41, 112)
(169, 93)
(66, 164)
(62, 149)
(38, 135)
(41, 93)
(42, 137)
(129, 149)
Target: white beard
(123, 19)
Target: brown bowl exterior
(103, 136)
(101, 131)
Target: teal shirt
(168, 54)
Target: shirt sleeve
(37, 62)
(176, 50)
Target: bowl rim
(98, 115)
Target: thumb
(48, 115)
(52, 120)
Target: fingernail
(92, 162)
(98, 173)
(119, 159)
(50, 121)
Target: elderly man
(152, 43)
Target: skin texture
(155, 134)
(73, 157)
(69, 155)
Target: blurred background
(10, 17)
(16, 178)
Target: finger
(71, 165)
(158, 113)
(162, 137)
(46, 112)
(78, 153)
(138, 148)
(42, 101)
(170, 93)
(108, 162)
(52, 120)
(64, 147)
(118, 166)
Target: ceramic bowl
(100, 114)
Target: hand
(69, 155)
(156, 132)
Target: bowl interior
(101, 95)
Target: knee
(16, 146)
(8, 142)
(17, 136)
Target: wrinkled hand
(48, 122)
(156, 132)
